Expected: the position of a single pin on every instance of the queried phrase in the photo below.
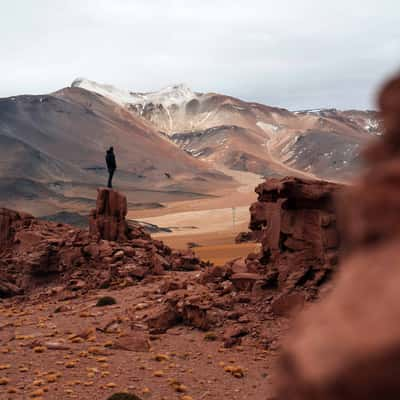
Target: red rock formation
(296, 222)
(108, 221)
(348, 346)
(37, 253)
(10, 221)
(47, 255)
(298, 217)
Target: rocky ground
(57, 348)
(90, 313)
(80, 305)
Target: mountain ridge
(172, 144)
(58, 141)
(322, 143)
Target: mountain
(158, 107)
(235, 134)
(172, 144)
(52, 154)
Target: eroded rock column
(108, 221)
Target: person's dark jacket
(110, 160)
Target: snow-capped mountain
(167, 97)
(52, 149)
(160, 107)
(53, 144)
(229, 132)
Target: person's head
(111, 149)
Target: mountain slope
(174, 144)
(229, 132)
(58, 141)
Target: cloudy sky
(292, 53)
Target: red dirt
(220, 327)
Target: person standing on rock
(111, 165)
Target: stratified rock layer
(348, 346)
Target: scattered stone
(106, 301)
(56, 346)
(162, 318)
(135, 341)
(210, 336)
(123, 396)
(235, 370)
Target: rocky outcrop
(10, 221)
(295, 221)
(49, 257)
(37, 253)
(298, 217)
(300, 239)
(108, 221)
(348, 346)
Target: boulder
(245, 280)
(235, 331)
(133, 341)
(197, 315)
(348, 345)
(239, 265)
(162, 318)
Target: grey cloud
(295, 54)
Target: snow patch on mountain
(317, 111)
(267, 127)
(117, 95)
(167, 97)
(371, 125)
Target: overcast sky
(291, 53)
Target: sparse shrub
(123, 396)
(210, 336)
(106, 301)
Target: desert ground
(60, 352)
(210, 225)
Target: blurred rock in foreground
(348, 346)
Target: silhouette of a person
(111, 165)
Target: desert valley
(183, 281)
(199, 200)
(188, 162)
